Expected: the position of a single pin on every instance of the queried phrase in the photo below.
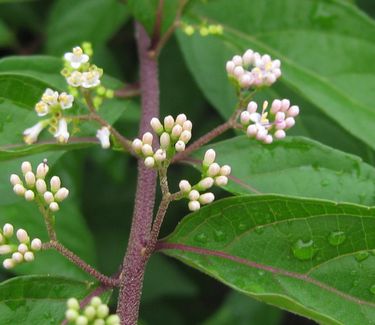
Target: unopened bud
(149, 162)
(8, 263)
(113, 320)
(102, 311)
(29, 195)
(72, 303)
(194, 195)
(55, 184)
(137, 145)
(285, 104)
(147, 150)
(5, 249)
(156, 125)
(28, 256)
(8, 230)
(293, 111)
(22, 236)
(225, 170)
(19, 189)
(209, 157)
(81, 320)
(90, 312)
(26, 167)
(185, 136)
(30, 178)
(252, 107)
(206, 183)
(61, 194)
(213, 169)
(179, 146)
(280, 134)
(42, 170)
(147, 138)
(15, 179)
(168, 123)
(41, 186)
(185, 186)
(187, 125)
(206, 198)
(194, 205)
(36, 244)
(17, 257)
(95, 302)
(289, 122)
(165, 140)
(54, 206)
(48, 197)
(176, 131)
(71, 315)
(221, 180)
(22, 248)
(160, 155)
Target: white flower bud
(245, 117)
(280, 116)
(41, 186)
(225, 170)
(209, 157)
(61, 194)
(281, 125)
(149, 162)
(53, 206)
(176, 131)
(30, 178)
(1, 239)
(160, 155)
(206, 183)
(26, 167)
(268, 139)
(188, 126)
(206, 198)
(238, 71)
(95, 301)
(42, 170)
(147, 138)
(71, 315)
(17, 257)
(185, 136)
(103, 134)
(29, 256)
(221, 180)
(137, 145)
(248, 57)
(194, 205)
(276, 106)
(285, 104)
(293, 111)
(280, 134)
(81, 320)
(100, 321)
(252, 130)
(156, 125)
(36, 244)
(5, 249)
(289, 122)
(184, 186)
(113, 320)
(48, 197)
(165, 140)
(194, 195)
(147, 150)
(180, 146)
(230, 67)
(90, 312)
(8, 230)
(15, 179)
(213, 170)
(72, 303)
(237, 60)
(19, 190)
(8, 263)
(168, 123)
(22, 236)
(29, 195)
(55, 184)
(252, 107)
(102, 311)
(180, 119)
(246, 80)
(22, 248)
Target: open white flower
(103, 136)
(91, 79)
(62, 134)
(50, 97)
(31, 134)
(76, 57)
(41, 108)
(75, 79)
(66, 100)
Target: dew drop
(219, 235)
(304, 250)
(336, 238)
(361, 256)
(202, 238)
(259, 229)
(372, 289)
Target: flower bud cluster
(34, 186)
(95, 313)
(253, 70)
(173, 137)
(204, 29)
(266, 125)
(212, 173)
(78, 71)
(23, 251)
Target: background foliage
(327, 48)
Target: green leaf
(6, 36)
(38, 299)
(340, 85)
(295, 166)
(72, 22)
(311, 257)
(240, 310)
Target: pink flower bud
(176, 131)
(22, 248)
(41, 186)
(245, 117)
(205, 183)
(15, 179)
(185, 136)
(147, 138)
(280, 134)
(268, 139)
(290, 122)
(29, 195)
(149, 162)
(206, 198)
(293, 111)
(19, 189)
(184, 186)
(225, 170)
(238, 71)
(54, 206)
(165, 140)
(22, 236)
(30, 178)
(237, 60)
(61, 194)
(17, 257)
(230, 67)
(180, 119)
(180, 146)
(285, 104)
(55, 183)
(48, 197)
(252, 130)
(194, 195)
(8, 230)
(209, 157)
(156, 125)
(194, 205)
(26, 167)
(42, 170)
(160, 155)
(276, 106)
(252, 107)
(8, 263)
(28, 256)
(280, 116)
(213, 170)
(221, 180)
(248, 57)
(187, 125)
(36, 244)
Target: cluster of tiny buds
(34, 185)
(268, 124)
(204, 29)
(21, 252)
(95, 313)
(253, 70)
(173, 137)
(212, 173)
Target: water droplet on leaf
(336, 238)
(304, 250)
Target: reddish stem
(131, 278)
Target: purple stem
(131, 278)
